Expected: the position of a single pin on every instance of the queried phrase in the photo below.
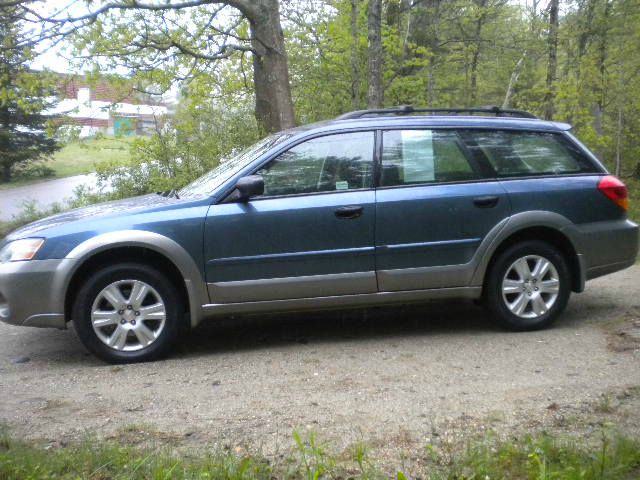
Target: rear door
(433, 209)
(309, 235)
(542, 171)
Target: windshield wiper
(170, 193)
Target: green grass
(612, 457)
(82, 156)
(30, 213)
(540, 457)
(79, 157)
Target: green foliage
(531, 457)
(83, 155)
(464, 53)
(440, 54)
(634, 198)
(188, 146)
(31, 211)
(23, 96)
(312, 457)
(110, 460)
(545, 457)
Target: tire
(123, 329)
(518, 296)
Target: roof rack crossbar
(408, 110)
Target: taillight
(615, 190)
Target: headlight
(20, 250)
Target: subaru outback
(376, 207)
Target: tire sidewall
(505, 260)
(127, 271)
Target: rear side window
(423, 156)
(513, 153)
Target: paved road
(397, 376)
(44, 193)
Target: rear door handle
(352, 211)
(488, 201)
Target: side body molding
(516, 223)
(193, 280)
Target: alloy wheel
(128, 315)
(530, 286)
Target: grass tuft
(609, 456)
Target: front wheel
(528, 286)
(127, 313)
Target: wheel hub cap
(128, 315)
(531, 286)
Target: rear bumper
(31, 293)
(606, 247)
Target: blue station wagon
(376, 207)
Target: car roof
(441, 121)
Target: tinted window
(324, 164)
(527, 153)
(229, 167)
(423, 156)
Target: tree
(376, 86)
(181, 38)
(23, 96)
(552, 63)
(355, 61)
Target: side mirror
(249, 186)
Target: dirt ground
(395, 376)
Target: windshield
(227, 168)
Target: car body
(404, 208)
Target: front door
(310, 235)
(433, 210)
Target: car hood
(135, 204)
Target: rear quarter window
(514, 153)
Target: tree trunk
(475, 58)
(598, 121)
(513, 80)
(274, 105)
(474, 76)
(430, 83)
(375, 97)
(618, 144)
(355, 60)
(6, 173)
(433, 41)
(552, 65)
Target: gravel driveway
(396, 374)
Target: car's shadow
(267, 331)
(247, 333)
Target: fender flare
(514, 224)
(165, 246)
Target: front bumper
(32, 293)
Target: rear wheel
(128, 313)
(528, 286)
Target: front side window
(227, 168)
(513, 153)
(324, 164)
(423, 156)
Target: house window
(84, 95)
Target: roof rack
(409, 110)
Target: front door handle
(352, 211)
(488, 201)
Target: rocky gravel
(392, 376)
